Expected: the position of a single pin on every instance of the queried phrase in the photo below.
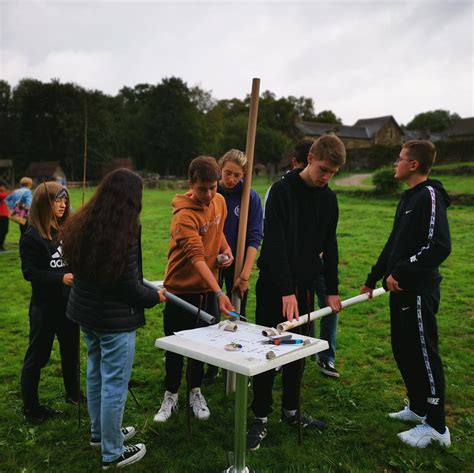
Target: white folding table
(244, 364)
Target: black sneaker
(257, 432)
(307, 422)
(128, 433)
(74, 398)
(131, 454)
(327, 368)
(40, 414)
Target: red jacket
(4, 212)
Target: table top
(237, 361)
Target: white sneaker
(407, 415)
(422, 435)
(168, 407)
(199, 404)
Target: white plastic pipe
(317, 314)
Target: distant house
(462, 129)
(41, 171)
(117, 163)
(365, 133)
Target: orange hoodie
(196, 234)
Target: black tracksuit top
(420, 240)
(43, 266)
(300, 223)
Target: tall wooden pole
(244, 205)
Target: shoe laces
(198, 401)
(168, 403)
(131, 449)
(257, 428)
(421, 428)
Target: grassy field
(361, 438)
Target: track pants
(44, 326)
(269, 313)
(414, 334)
(175, 320)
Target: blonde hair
(329, 148)
(235, 156)
(26, 182)
(41, 214)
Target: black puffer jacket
(117, 307)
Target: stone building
(365, 133)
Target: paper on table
(247, 335)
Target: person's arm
(226, 250)
(206, 274)
(31, 251)
(253, 239)
(130, 286)
(331, 258)
(187, 237)
(433, 222)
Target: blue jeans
(109, 366)
(327, 326)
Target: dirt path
(353, 180)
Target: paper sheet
(249, 336)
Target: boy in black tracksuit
(419, 243)
(301, 217)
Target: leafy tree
(327, 116)
(435, 121)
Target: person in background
(43, 265)
(102, 245)
(4, 213)
(233, 165)
(197, 238)
(409, 266)
(19, 202)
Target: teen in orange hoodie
(197, 238)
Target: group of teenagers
(85, 270)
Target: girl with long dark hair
(102, 246)
(42, 264)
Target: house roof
(373, 125)
(343, 131)
(463, 127)
(42, 168)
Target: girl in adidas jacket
(43, 266)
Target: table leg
(240, 434)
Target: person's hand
(230, 258)
(392, 285)
(161, 295)
(290, 307)
(334, 302)
(68, 279)
(225, 306)
(367, 290)
(241, 286)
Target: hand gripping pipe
(204, 316)
(317, 314)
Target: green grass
(360, 438)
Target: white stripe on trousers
(424, 350)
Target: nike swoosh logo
(408, 211)
(405, 308)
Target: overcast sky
(360, 59)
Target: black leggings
(44, 326)
(269, 314)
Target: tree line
(161, 127)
